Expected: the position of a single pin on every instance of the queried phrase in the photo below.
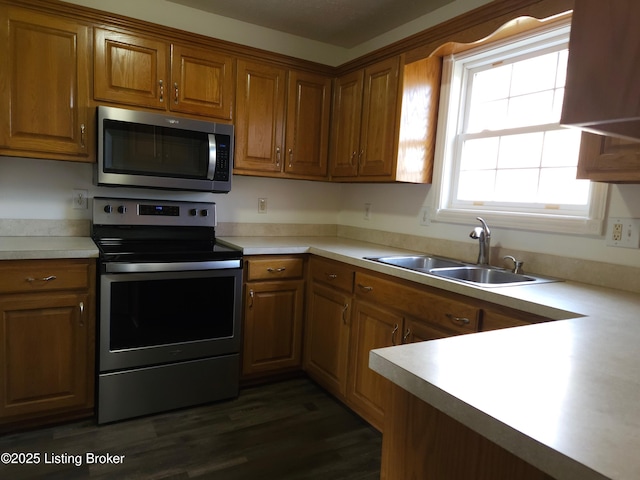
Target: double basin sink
(481, 275)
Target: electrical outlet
(624, 232)
(367, 211)
(80, 199)
(262, 205)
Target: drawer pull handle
(406, 335)
(332, 276)
(365, 288)
(344, 311)
(176, 93)
(81, 314)
(43, 279)
(276, 270)
(161, 90)
(458, 320)
(393, 334)
(251, 295)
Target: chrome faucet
(483, 235)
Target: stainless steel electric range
(169, 307)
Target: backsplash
(601, 274)
(13, 227)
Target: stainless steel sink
(481, 275)
(421, 263)
(487, 276)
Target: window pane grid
(512, 150)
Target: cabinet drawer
(43, 275)
(438, 308)
(274, 267)
(332, 273)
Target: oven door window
(159, 312)
(136, 149)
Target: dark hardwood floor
(289, 430)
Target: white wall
(184, 18)
(42, 189)
(397, 208)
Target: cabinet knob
(393, 334)
(81, 306)
(344, 311)
(43, 279)
(458, 320)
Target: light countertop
(563, 396)
(44, 247)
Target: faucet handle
(517, 264)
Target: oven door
(158, 317)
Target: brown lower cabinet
(47, 337)
(420, 441)
(273, 316)
(350, 311)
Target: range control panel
(129, 211)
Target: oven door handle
(124, 267)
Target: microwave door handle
(212, 156)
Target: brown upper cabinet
(373, 136)
(282, 126)
(142, 71)
(603, 76)
(44, 86)
(609, 159)
(602, 93)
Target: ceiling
(343, 23)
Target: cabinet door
(44, 352)
(44, 92)
(131, 70)
(603, 76)
(201, 82)
(379, 119)
(260, 103)
(345, 126)
(273, 326)
(609, 159)
(327, 338)
(308, 115)
(373, 327)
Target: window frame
(453, 93)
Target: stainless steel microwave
(150, 150)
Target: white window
(501, 151)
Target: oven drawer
(274, 267)
(18, 276)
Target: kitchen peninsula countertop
(44, 247)
(561, 395)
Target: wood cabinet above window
(142, 71)
(603, 76)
